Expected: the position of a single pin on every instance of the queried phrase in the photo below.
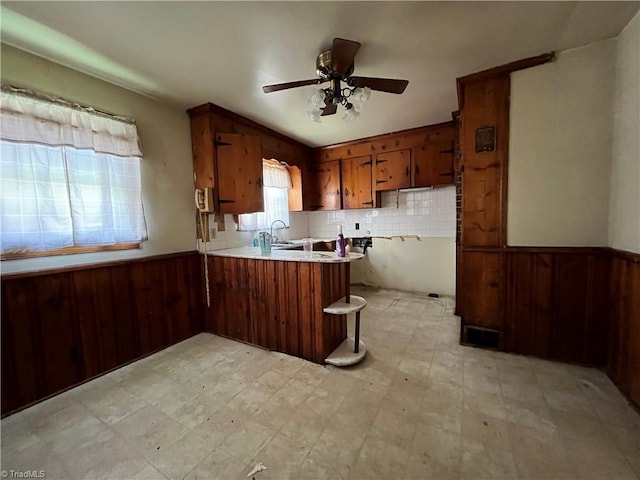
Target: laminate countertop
(285, 255)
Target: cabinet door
(239, 173)
(393, 170)
(356, 182)
(322, 186)
(433, 165)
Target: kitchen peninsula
(276, 301)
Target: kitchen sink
(286, 246)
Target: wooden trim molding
(505, 69)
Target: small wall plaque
(485, 139)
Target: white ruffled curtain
(68, 177)
(276, 182)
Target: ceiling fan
(336, 66)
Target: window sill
(70, 251)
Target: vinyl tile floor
(419, 406)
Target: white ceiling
(189, 53)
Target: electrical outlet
(213, 230)
(357, 226)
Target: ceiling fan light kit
(336, 66)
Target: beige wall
(624, 208)
(427, 265)
(560, 148)
(167, 182)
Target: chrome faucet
(273, 239)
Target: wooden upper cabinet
(393, 170)
(239, 173)
(356, 182)
(433, 165)
(322, 186)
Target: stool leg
(356, 347)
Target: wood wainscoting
(62, 327)
(556, 303)
(623, 364)
(278, 304)
(571, 304)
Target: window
(275, 186)
(69, 179)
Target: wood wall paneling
(556, 303)
(484, 182)
(529, 309)
(64, 327)
(22, 376)
(482, 293)
(623, 363)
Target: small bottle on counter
(264, 239)
(341, 244)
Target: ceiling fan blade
(329, 109)
(389, 85)
(342, 55)
(284, 86)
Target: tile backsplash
(423, 212)
(231, 238)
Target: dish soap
(341, 250)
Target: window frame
(94, 137)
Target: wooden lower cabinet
(64, 327)
(278, 304)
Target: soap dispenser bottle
(341, 244)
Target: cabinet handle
(226, 201)
(448, 174)
(380, 161)
(368, 203)
(382, 181)
(346, 192)
(407, 172)
(447, 151)
(369, 163)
